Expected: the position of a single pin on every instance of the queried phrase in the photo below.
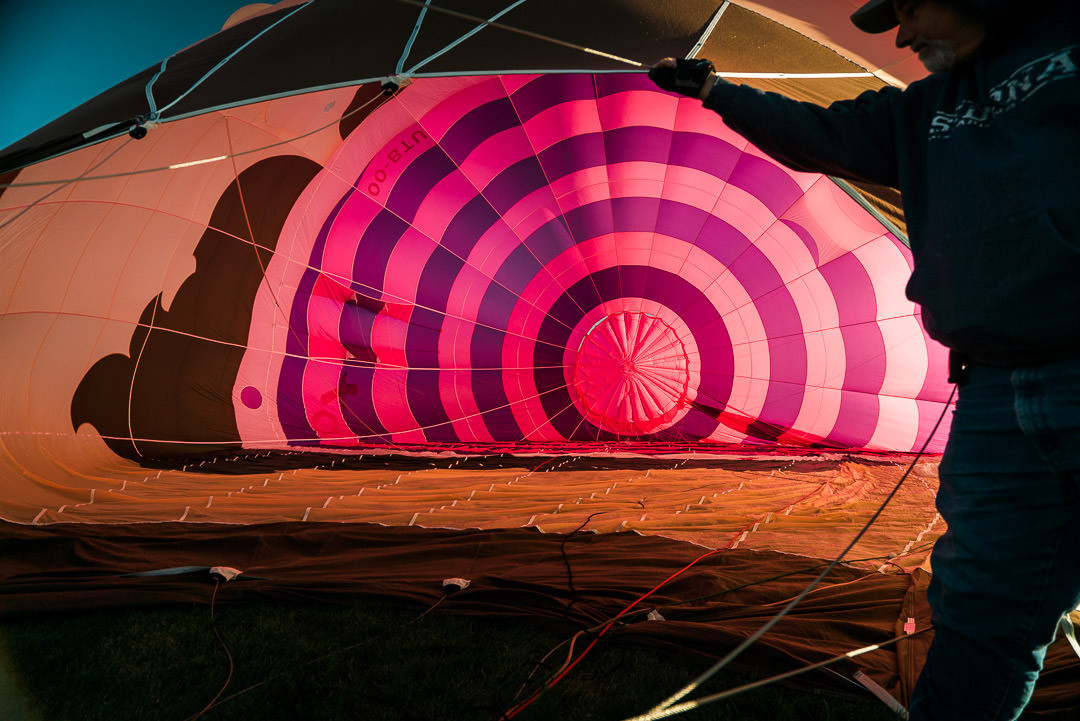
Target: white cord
(667, 704)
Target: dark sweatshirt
(986, 157)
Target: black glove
(687, 77)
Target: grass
(365, 661)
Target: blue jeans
(1009, 565)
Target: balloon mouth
(631, 374)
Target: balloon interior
(468, 323)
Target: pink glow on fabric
(631, 249)
(631, 374)
(320, 388)
(760, 264)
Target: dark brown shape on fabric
(182, 362)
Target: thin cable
(485, 23)
(228, 57)
(600, 627)
(150, 101)
(708, 30)
(228, 679)
(607, 627)
(704, 700)
(64, 184)
(432, 607)
(526, 33)
(566, 560)
(572, 641)
(203, 161)
(412, 38)
(777, 577)
(282, 313)
(722, 663)
(131, 387)
(215, 703)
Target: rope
(482, 24)
(713, 698)
(526, 33)
(227, 58)
(660, 710)
(412, 38)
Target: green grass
(363, 662)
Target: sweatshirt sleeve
(852, 139)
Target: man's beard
(937, 57)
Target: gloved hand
(681, 75)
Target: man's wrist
(707, 86)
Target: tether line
(412, 38)
(667, 707)
(526, 33)
(483, 24)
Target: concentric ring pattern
(586, 258)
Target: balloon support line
(602, 628)
(220, 64)
(708, 30)
(450, 502)
(490, 22)
(728, 410)
(674, 710)
(726, 407)
(526, 33)
(379, 435)
(465, 260)
(344, 281)
(374, 292)
(194, 163)
(618, 58)
(660, 710)
(412, 38)
(61, 184)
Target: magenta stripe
(864, 349)
(706, 153)
(572, 154)
(805, 237)
(766, 182)
(637, 143)
(476, 126)
(585, 217)
(635, 281)
(548, 90)
(611, 83)
(417, 180)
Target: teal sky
(57, 54)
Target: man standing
(985, 152)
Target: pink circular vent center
(631, 374)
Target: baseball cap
(876, 16)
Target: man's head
(940, 33)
